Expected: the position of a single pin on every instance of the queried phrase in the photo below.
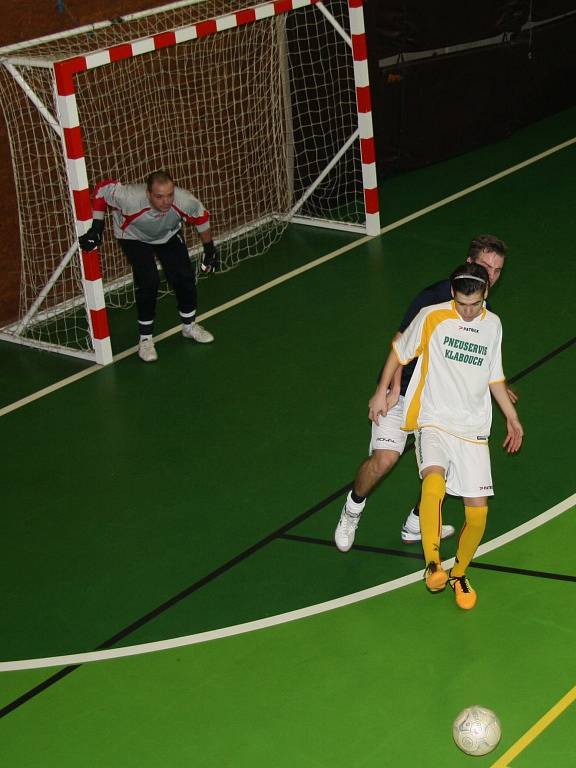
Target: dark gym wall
(447, 76)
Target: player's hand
(511, 394)
(514, 437)
(93, 238)
(210, 262)
(377, 406)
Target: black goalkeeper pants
(178, 269)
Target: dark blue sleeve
(434, 294)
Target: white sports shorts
(388, 435)
(467, 464)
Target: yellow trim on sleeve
(402, 362)
(430, 324)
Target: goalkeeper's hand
(93, 238)
(209, 261)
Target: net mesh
(246, 119)
(47, 230)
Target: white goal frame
(66, 123)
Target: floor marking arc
(294, 273)
(283, 618)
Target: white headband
(470, 277)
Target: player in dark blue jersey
(388, 439)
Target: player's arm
(434, 294)
(210, 261)
(511, 394)
(423, 299)
(395, 384)
(194, 212)
(515, 431)
(103, 194)
(382, 400)
(405, 347)
(93, 237)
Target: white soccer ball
(477, 730)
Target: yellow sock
(470, 538)
(433, 492)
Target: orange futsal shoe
(435, 577)
(465, 596)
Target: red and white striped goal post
(66, 70)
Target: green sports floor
(171, 593)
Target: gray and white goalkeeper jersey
(135, 219)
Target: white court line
(289, 275)
(282, 618)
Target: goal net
(262, 111)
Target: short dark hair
(483, 243)
(469, 278)
(161, 176)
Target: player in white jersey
(148, 220)
(388, 440)
(448, 404)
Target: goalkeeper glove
(209, 261)
(93, 238)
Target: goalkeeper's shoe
(463, 592)
(147, 351)
(197, 332)
(435, 577)
(410, 532)
(346, 529)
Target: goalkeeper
(147, 224)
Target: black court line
(542, 360)
(356, 547)
(62, 673)
(279, 533)
(523, 571)
(33, 692)
(418, 556)
(220, 570)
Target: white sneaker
(147, 351)
(346, 529)
(411, 530)
(197, 332)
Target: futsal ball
(476, 730)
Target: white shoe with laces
(197, 332)
(411, 530)
(147, 351)
(346, 529)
